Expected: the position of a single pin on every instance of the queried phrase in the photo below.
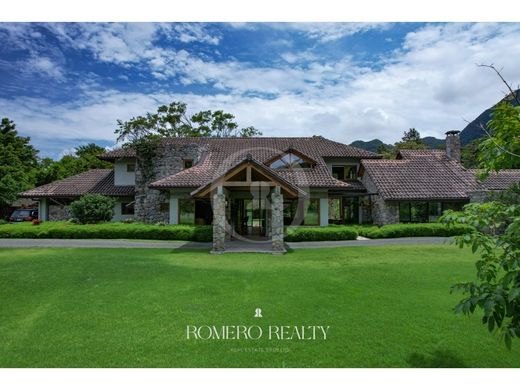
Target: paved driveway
(66, 243)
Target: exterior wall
(121, 176)
(168, 160)
(383, 212)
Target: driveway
(71, 243)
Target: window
(334, 210)
(127, 208)
(289, 211)
(188, 164)
(344, 172)
(164, 207)
(186, 211)
(290, 161)
(338, 172)
(434, 210)
(312, 215)
(418, 211)
(130, 167)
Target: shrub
(92, 208)
(2, 221)
(413, 230)
(333, 233)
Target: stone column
(219, 221)
(277, 221)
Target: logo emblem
(258, 313)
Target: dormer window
(291, 160)
(188, 164)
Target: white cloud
(326, 32)
(430, 83)
(45, 66)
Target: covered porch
(247, 204)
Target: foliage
(502, 149)
(18, 162)
(303, 233)
(496, 237)
(109, 230)
(413, 230)
(411, 140)
(469, 154)
(92, 208)
(173, 120)
(83, 159)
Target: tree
(411, 140)
(83, 159)
(496, 238)
(173, 121)
(469, 154)
(18, 162)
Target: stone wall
(169, 159)
(59, 213)
(383, 212)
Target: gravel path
(236, 246)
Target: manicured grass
(110, 230)
(386, 306)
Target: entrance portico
(247, 204)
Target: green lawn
(386, 306)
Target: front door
(250, 217)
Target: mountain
(434, 143)
(473, 130)
(371, 146)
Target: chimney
(453, 145)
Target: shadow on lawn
(437, 359)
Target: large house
(253, 187)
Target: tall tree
(18, 162)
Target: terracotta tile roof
(425, 174)
(311, 146)
(500, 180)
(95, 181)
(223, 153)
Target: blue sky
(66, 84)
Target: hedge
(333, 233)
(111, 230)
(118, 230)
(413, 230)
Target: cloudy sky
(66, 84)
